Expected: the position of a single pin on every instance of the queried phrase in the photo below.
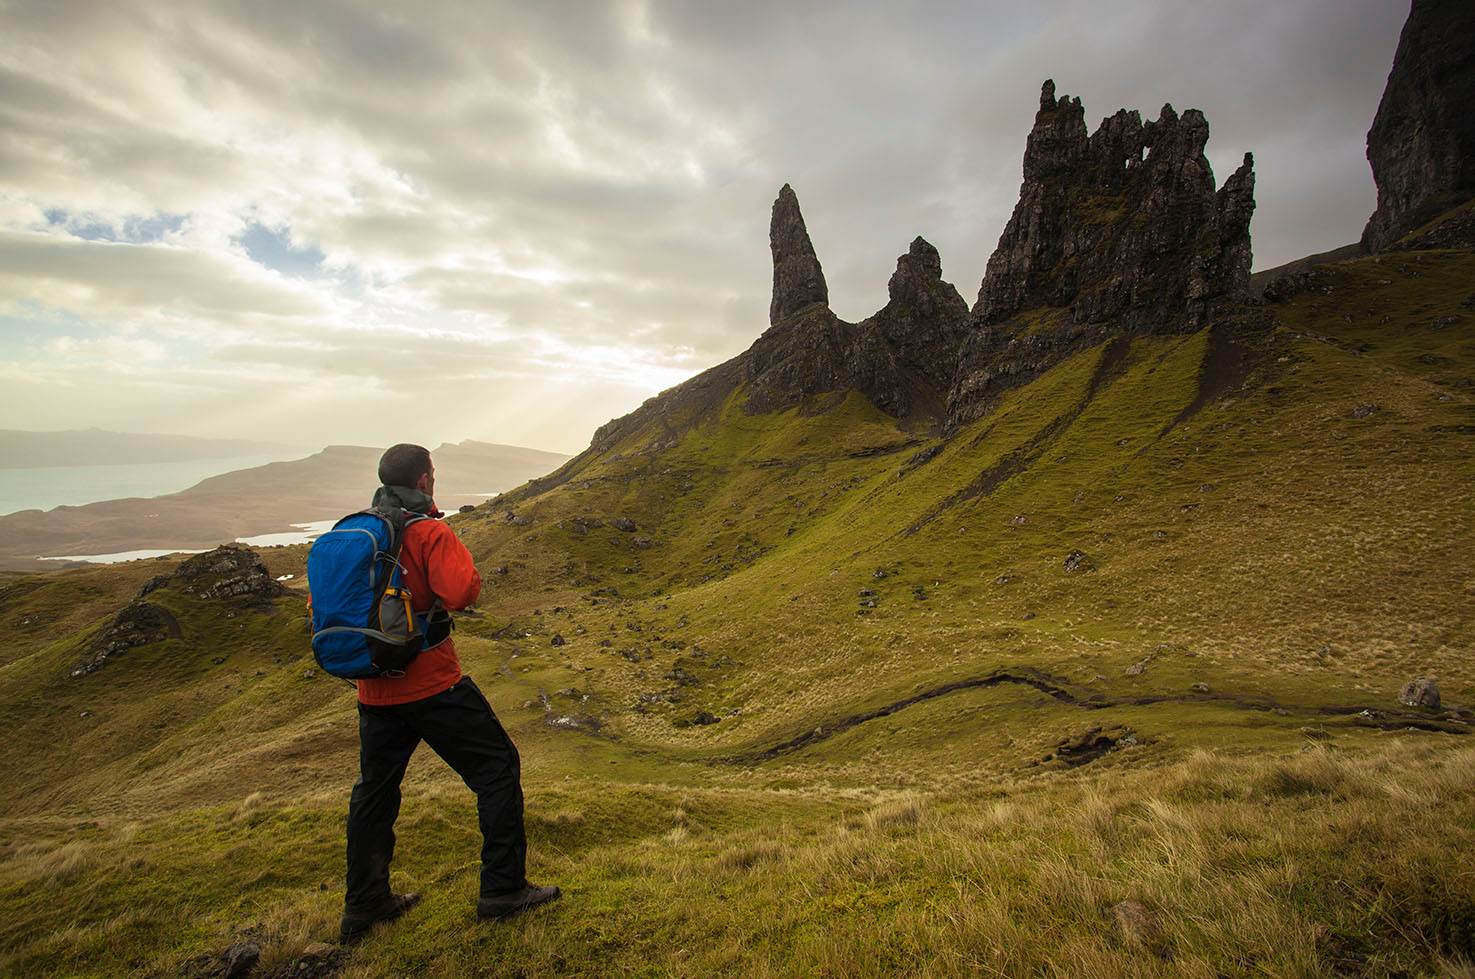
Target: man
(432, 702)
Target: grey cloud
(141, 278)
(443, 156)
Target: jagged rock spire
(798, 280)
(1123, 224)
(1116, 232)
(1422, 142)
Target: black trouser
(459, 725)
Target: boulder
(239, 959)
(1420, 692)
(1078, 561)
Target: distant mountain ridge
(259, 500)
(98, 447)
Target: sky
(342, 222)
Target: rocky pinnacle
(1120, 231)
(1422, 142)
(798, 280)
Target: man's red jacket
(437, 565)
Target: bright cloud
(513, 222)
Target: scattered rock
(705, 717)
(557, 640)
(1420, 692)
(573, 722)
(623, 523)
(318, 960)
(1139, 667)
(1019, 520)
(1364, 410)
(1078, 561)
(1200, 688)
(239, 959)
(139, 623)
(466, 508)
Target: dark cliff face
(1422, 142)
(1119, 231)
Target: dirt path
(1449, 721)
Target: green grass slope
(827, 709)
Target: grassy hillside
(828, 699)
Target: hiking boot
(356, 924)
(508, 903)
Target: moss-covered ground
(806, 717)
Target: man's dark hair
(403, 464)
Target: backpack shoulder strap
(394, 517)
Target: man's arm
(453, 575)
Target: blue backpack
(362, 623)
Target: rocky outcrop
(139, 623)
(1422, 142)
(231, 571)
(905, 354)
(901, 357)
(1118, 231)
(798, 280)
(1115, 232)
(1121, 225)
